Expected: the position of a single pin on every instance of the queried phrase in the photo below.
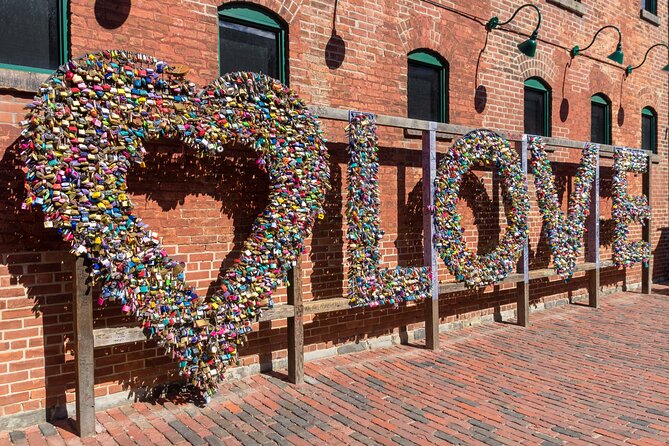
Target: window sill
(650, 17)
(570, 5)
(24, 81)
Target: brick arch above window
(541, 67)
(421, 32)
(286, 9)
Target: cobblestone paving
(576, 376)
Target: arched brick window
(537, 107)
(427, 86)
(649, 129)
(600, 119)
(252, 38)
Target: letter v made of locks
(83, 133)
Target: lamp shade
(666, 68)
(617, 55)
(528, 47)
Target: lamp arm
(494, 22)
(630, 68)
(531, 5)
(620, 36)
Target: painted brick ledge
(34, 417)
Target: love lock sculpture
(85, 131)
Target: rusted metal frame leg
(429, 156)
(523, 287)
(296, 326)
(593, 241)
(84, 344)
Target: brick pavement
(576, 376)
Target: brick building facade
(351, 58)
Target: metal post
(593, 240)
(523, 287)
(429, 156)
(295, 326)
(647, 269)
(85, 360)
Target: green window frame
(600, 103)
(539, 123)
(257, 17)
(63, 43)
(649, 129)
(650, 6)
(430, 59)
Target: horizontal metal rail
(105, 337)
(338, 114)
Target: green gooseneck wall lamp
(616, 56)
(528, 47)
(629, 68)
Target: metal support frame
(647, 269)
(523, 286)
(296, 326)
(592, 255)
(429, 156)
(294, 310)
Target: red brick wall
(204, 209)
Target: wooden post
(647, 269)
(593, 240)
(523, 287)
(429, 156)
(85, 360)
(296, 326)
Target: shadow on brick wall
(232, 180)
(40, 268)
(327, 254)
(660, 254)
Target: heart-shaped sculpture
(85, 130)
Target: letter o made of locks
(83, 133)
(480, 147)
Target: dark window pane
(535, 112)
(29, 34)
(598, 123)
(648, 132)
(246, 48)
(424, 94)
(650, 6)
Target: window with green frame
(35, 38)
(537, 107)
(600, 119)
(649, 129)
(252, 38)
(427, 86)
(649, 5)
